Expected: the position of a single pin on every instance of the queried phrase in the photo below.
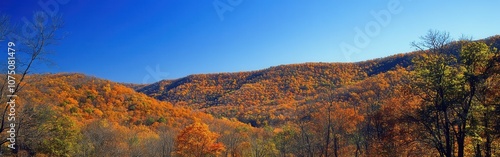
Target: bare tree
(434, 41)
(166, 144)
(31, 47)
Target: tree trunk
(488, 138)
(447, 134)
(478, 150)
(336, 146)
(358, 149)
(328, 128)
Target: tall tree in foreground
(479, 63)
(437, 83)
(197, 140)
(449, 85)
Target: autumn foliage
(78, 115)
(421, 103)
(197, 140)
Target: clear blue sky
(121, 40)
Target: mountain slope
(78, 115)
(249, 95)
(244, 95)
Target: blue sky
(144, 41)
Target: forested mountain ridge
(319, 74)
(440, 100)
(241, 95)
(227, 94)
(360, 70)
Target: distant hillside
(206, 90)
(280, 85)
(245, 95)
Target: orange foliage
(197, 140)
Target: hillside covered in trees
(78, 115)
(369, 108)
(441, 100)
